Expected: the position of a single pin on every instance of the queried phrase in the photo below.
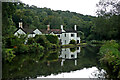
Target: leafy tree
(107, 24)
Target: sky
(86, 7)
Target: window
(77, 41)
(72, 35)
(58, 36)
(72, 56)
(65, 35)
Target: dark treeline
(103, 27)
(33, 17)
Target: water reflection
(53, 62)
(69, 53)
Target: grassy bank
(110, 59)
(73, 45)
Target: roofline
(70, 32)
(21, 29)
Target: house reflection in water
(69, 54)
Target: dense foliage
(52, 39)
(107, 24)
(104, 27)
(111, 59)
(34, 17)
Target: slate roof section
(55, 31)
(44, 31)
(29, 31)
(70, 30)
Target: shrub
(52, 56)
(111, 57)
(72, 41)
(21, 49)
(8, 54)
(54, 46)
(12, 41)
(35, 48)
(31, 41)
(41, 39)
(52, 39)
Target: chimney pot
(75, 27)
(20, 25)
(48, 27)
(61, 27)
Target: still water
(80, 62)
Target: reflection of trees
(33, 66)
(111, 73)
(100, 73)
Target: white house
(68, 35)
(65, 36)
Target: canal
(80, 62)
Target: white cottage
(24, 31)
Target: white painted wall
(31, 35)
(36, 31)
(66, 39)
(78, 38)
(78, 49)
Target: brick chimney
(48, 27)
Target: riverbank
(92, 42)
(110, 59)
(73, 45)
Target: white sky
(86, 7)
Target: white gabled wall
(20, 31)
(36, 31)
